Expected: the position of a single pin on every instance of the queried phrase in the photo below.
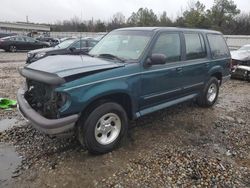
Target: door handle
(179, 69)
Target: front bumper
(48, 126)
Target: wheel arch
(122, 98)
(216, 72)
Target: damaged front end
(40, 104)
(43, 99)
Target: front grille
(42, 98)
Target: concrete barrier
(76, 34)
(236, 41)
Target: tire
(104, 128)
(209, 94)
(12, 48)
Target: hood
(68, 65)
(240, 55)
(41, 50)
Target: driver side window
(76, 45)
(169, 45)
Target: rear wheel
(12, 48)
(209, 94)
(104, 128)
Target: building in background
(23, 28)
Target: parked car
(241, 56)
(7, 34)
(67, 38)
(72, 47)
(50, 40)
(15, 43)
(241, 72)
(131, 72)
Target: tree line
(223, 16)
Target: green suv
(131, 72)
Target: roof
(169, 29)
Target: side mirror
(156, 59)
(72, 49)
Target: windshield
(65, 44)
(245, 48)
(128, 45)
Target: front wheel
(104, 128)
(209, 94)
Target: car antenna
(81, 34)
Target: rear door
(220, 54)
(195, 66)
(161, 83)
(20, 43)
(30, 43)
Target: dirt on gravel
(182, 146)
(11, 57)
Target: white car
(241, 72)
(241, 56)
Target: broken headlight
(62, 99)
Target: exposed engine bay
(43, 99)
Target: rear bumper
(47, 126)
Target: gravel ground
(12, 57)
(183, 146)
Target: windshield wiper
(112, 57)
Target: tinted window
(169, 45)
(195, 47)
(92, 43)
(218, 46)
(77, 45)
(12, 39)
(19, 39)
(83, 43)
(28, 39)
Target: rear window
(195, 46)
(218, 46)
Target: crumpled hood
(240, 55)
(67, 65)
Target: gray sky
(49, 11)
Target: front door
(161, 83)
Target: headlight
(39, 55)
(62, 99)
